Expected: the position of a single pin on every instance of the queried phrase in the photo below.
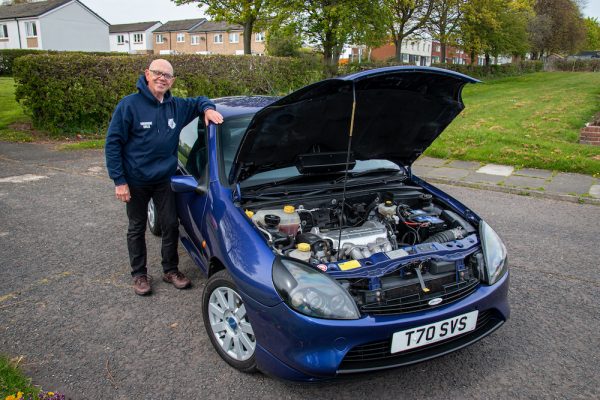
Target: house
(173, 37)
(415, 51)
(52, 25)
(454, 55)
(223, 38)
(135, 38)
(199, 36)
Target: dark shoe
(142, 285)
(177, 279)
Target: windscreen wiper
(351, 175)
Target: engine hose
(445, 236)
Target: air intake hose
(445, 236)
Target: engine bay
(425, 250)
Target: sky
(592, 9)
(124, 11)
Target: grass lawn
(527, 121)
(11, 113)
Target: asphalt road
(67, 307)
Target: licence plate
(427, 334)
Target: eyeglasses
(162, 74)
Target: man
(141, 157)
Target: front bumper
(297, 347)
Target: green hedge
(591, 65)
(476, 71)
(494, 71)
(8, 56)
(71, 93)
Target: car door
(193, 160)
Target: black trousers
(137, 212)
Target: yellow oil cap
(289, 209)
(303, 246)
(388, 202)
(249, 213)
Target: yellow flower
(19, 395)
(50, 394)
(11, 397)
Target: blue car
(324, 254)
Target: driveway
(67, 307)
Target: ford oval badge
(435, 302)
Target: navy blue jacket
(143, 135)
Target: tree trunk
(473, 56)
(443, 51)
(487, 59)
(248, 25)
(398, 44)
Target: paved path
(67, 307)
(502, 178)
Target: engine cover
(362, 235)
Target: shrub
(8, 56)
(575, 65)
(70, 93)
(495, 71)
(476, 71)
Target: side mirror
(187, 184)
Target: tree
(444, 23)
(592, 41)
(557, 28)
(331, 24)
(495, 27)
(403, 18)
(283, 41)
(243, 12)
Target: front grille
(418, 301)
(376, 355)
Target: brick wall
(590, 135)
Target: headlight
(494, 253)
(311, 292)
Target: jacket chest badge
(171, 123)
(146, 125)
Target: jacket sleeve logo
(146, 125)
(172, 123)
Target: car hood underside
(390, 113)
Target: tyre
(227, 324)
(153, 223)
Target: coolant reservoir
(302, 252)
(289, 219)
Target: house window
(160, 39)
(234, 37)
(31, 29)
(259, 37)
(120, 39)
(404, 58)
(3, 31)
(218, 38)
(180, 37)
(195, 40)
(438, 48)
(138, 38)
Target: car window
(230, 135)
(193, 151)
